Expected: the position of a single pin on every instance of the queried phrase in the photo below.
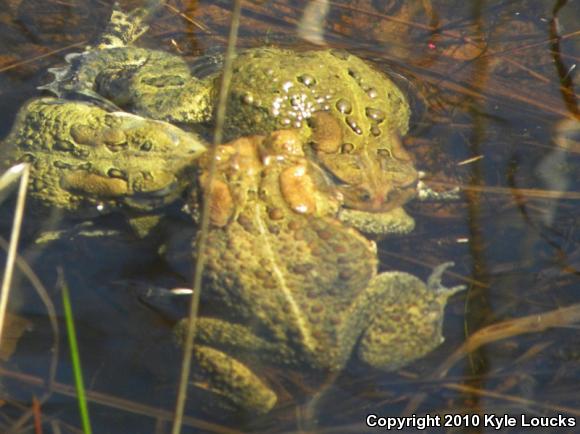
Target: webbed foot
(426, 193)
(434, 281)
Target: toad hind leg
(230, 384)
(408, 323)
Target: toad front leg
(408, 322)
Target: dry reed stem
(118, 403)
(528, 324)
(21, 171)
(37, 415)
(522, 402)
(424, 264)
(40, 56)
(509, 191)
(204, 226)
(51, 311)
(190, 20)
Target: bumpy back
(123, 29)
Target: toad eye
(364, 196)
(384, 153)
(146, 146)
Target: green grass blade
(76, 361)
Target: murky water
(495, 91)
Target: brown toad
(350, 115)
(288, 284)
